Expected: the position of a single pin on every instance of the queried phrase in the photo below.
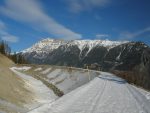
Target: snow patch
(46, 71)
(54, 73)
(67, 80)
(38, 69)
(24, 68)
(148, 96)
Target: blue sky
(24, 22)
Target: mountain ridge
(47, 45)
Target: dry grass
(11, 86)
(5, 62)
(133, 78)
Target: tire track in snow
(87, 103)
(42, 105)
(140, 98)
(69, 103)
(98, 97)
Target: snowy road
(104, 94)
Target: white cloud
(102, 36)
(126, 35)
(31, 12)
(2, 25)
(10, 38)
(4, 35)
(82, 5)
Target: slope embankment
(18, 93)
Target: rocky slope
(20, 93)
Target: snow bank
(68, 80)
(54, 73)
(144, 92)
(38, 69)
(24, 68)
(11, 107)
(46, 71)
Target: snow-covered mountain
(43, 48)
(48, 45)
(79, 52)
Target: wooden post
(88, 73)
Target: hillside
(64, 78)
(16, 93)
(10, 86)
(5, 62)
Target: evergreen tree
(2, 47)
(14, 57)
(6, 50)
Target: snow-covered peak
(93, 43)
(45, 45)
